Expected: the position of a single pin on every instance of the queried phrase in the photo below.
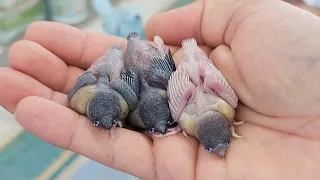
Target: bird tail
(191, 67)
(116, 46)
(189, 45)
(133, 35)
(160, 46)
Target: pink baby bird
(201, 100)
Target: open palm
(265, 49)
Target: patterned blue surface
(26, 157)
(97, 171)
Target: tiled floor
(9, 128)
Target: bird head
(213, 131)
(104, 109)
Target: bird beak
(221, 150)
(107, 122)
(161, 127)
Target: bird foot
(170, 132)
(233, 132)
(238, 123)
(174, 131)
(185, 134)
(119, 123)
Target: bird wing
(208, 74)
(87, 78)
(114, 63)
(161, 70)
(180, 89)
(110, 65)
(128, 87)
(214, 79)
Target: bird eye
(115, 121)
(151, 130)
(209, 149)
(96, 123)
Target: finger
(176, 154)
(210, 165)
(39, 63)
(207, 21)
(178, 24)
(302, 127)
(125, 150)
(74, 46)
(223, 59)
(15, 86)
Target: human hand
(279, 134)
(267, 52)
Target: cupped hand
(267, 51)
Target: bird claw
(238, 123)
(119, 123)
(170, 132)
(159, 135)
(173, 131)
(185, 134)
(233, 132)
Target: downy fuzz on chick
(201, 100)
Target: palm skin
(267, 50)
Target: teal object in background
(119, 22)
(67, 11)
(15, 17)
(180, 3)
(100, 172)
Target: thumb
(222, 58)
(205, 20)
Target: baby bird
(103, 92)
(153, 67)
(201, 100)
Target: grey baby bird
(103, 93)
(153, 68)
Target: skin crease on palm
(267, 51)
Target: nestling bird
(153, 67)
(103, 92)
(201, 100)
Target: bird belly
(188, 119)
(134, 119)
(81, 99)
(221, 106)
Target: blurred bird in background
(119, 21)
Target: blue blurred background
(24, 156)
